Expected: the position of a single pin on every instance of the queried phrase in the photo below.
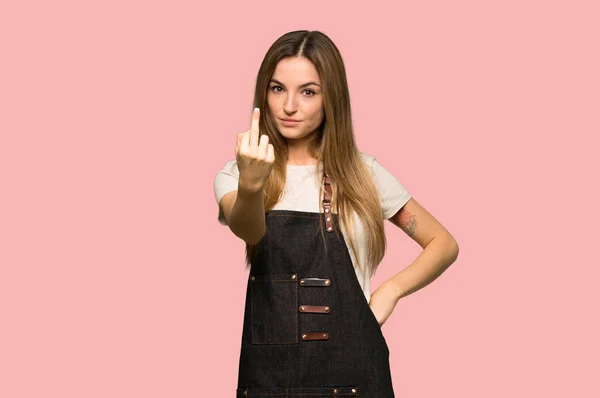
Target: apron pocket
(274, 308)
(321, 392)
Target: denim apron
(308, 330)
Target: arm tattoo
(408, 222)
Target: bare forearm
(435, 258)
(248, 214)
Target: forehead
(296, 70)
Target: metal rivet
(301, 308)
(326, 308)
(324, 334)
(303, 336)
(329, 229)
(335, 390)
(294, 276)
(354, 390)
(328, 218)
(252, 278)
(327, 282)
(302, 282)
(326, 210)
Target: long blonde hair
(335, 148)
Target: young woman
(310, 207)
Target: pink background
(116, 278)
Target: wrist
(248, 187)
(395, 287)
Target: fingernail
(256, 109)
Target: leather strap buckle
(315, 336)
(315, 309)
(327, 195)
(315, 282)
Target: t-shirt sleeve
(392, 194)
(226, 181)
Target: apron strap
(327, 203)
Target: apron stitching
(252, 313)
(297, 319)
(293, 215)
(252, 309)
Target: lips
(287, 123)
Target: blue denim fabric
(274, 360)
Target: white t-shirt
(301, 193)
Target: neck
(299, 154)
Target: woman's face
(294, 92)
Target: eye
(275, 89)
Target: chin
(287, 133)
(290, 137)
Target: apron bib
(308, 330)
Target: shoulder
(392, 193)
(226, 179)
(378, 171)
(229, 169)
(369, 160)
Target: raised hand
(254, 157)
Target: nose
(290, 105)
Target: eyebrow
(303, 85)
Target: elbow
(252, 237)
(453, 249)
(254, 240)
(259, 235)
